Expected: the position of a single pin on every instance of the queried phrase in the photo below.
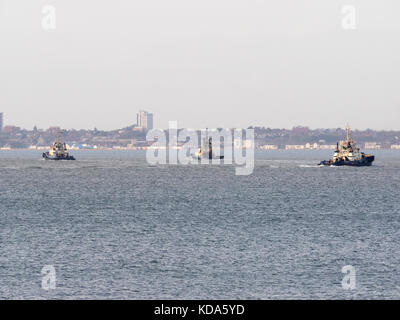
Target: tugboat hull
(46, 156)
(209, 158)
(364, 162)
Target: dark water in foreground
(115, 227)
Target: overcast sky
(204, 63)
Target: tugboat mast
(348, 133)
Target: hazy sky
(204, 63)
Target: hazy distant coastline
(134, 138)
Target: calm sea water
(114, 226)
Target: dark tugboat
(347, 154)
(206, 151)
(58, 152)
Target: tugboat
(58, 152)
(206, 151)
(347, 154)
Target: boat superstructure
(348, 154)
(206, 151)
(58, 152)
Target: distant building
(245, 144)
(1, 122)
(54, 130)
(327, 146)
(372, 146)
(301, 130)
(395, 147)
(248, 144)
(145, 120)
(312, 146)
(11, 129)
(269, 147)
(294, 147)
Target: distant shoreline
(145, 149)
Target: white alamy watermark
(349, 280)
(48, 277)
(206, 146)
(349, 17)
(49, 18)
